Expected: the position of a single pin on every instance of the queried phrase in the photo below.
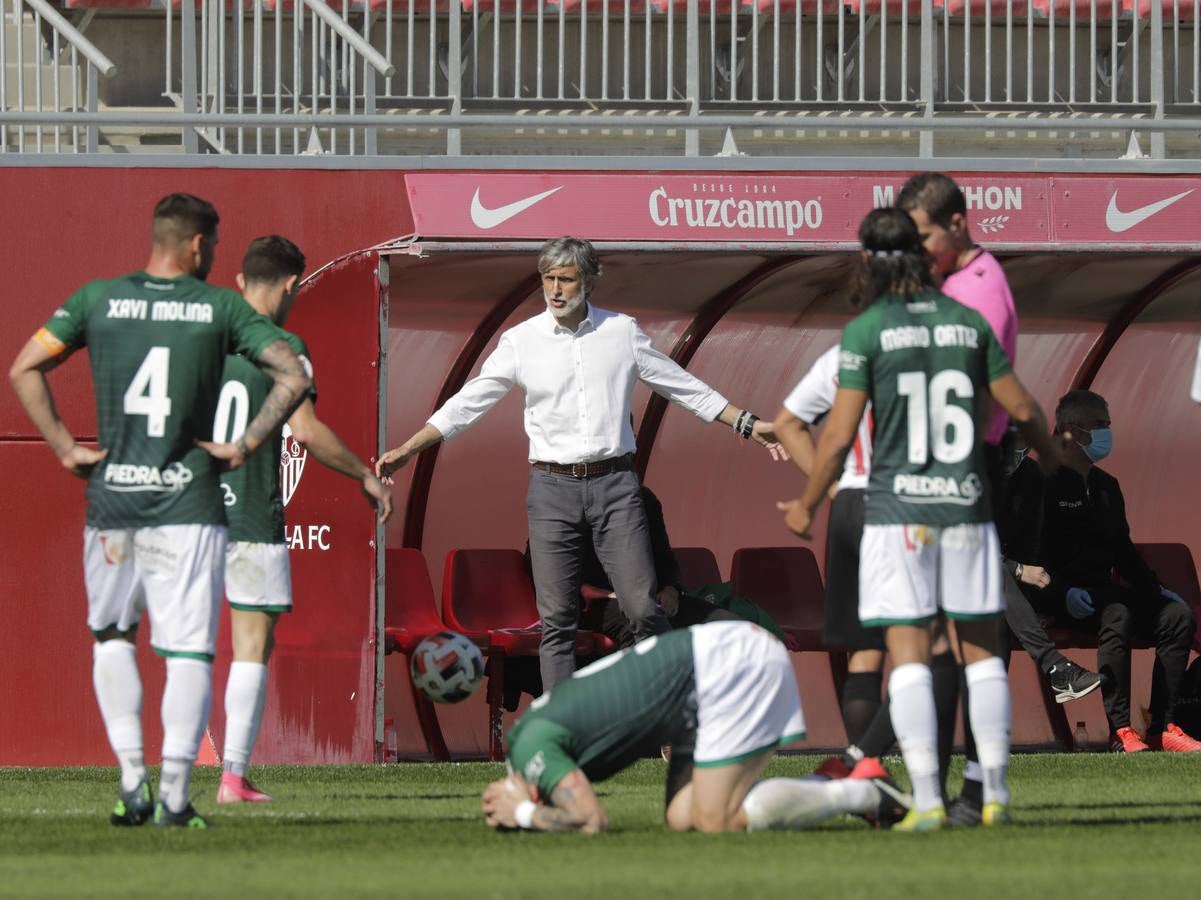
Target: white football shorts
(258, 577)
(747, 700)
(907, 573)
(175, 572)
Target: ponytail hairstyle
(895, 261)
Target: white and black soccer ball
(447, 667)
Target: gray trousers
(564, 514)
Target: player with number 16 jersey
(926, 360)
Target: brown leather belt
(587, 470)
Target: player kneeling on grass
(723, 694)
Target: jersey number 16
(933, 419)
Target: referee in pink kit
(577, 366)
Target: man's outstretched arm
(330, 450)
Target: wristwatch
(1018, 570)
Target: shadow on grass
(1119, 820)
(446, 795)
(1127, 804)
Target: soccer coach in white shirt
(577, 365)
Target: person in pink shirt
(973, 276)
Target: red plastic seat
(698, 566)
(787, 583)
(487, 596)
(410, 616)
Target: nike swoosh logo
(486, 218)
(1118, 221)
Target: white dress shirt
(577, 386)
(813, 397)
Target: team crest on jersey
(292, 458)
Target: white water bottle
(1080, 738)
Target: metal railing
(34, 37)
(329, 76)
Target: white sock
(185, 713)
(787, 803)
(972, 770)
(988, 706)
(245, 694)
(911, 707)
(119, 693)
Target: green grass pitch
(1087, 825)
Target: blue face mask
(1101, 444)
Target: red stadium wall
(716, 492)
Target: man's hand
(797, 517)
(669, 599)
(80, 460)
(379, 495)
(501, 799)
(1079, 603)
(394, 459)
(1049, 463)
(1170, 595)
(764, 434)
(233, 455)
(1036, 576)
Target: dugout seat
(1174, 565)
(410, 616)
(487, 595)
(787, 583)
(698, 566)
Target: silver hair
(570, 251)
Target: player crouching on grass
(258, 580)
(723, 694)
(928, 365)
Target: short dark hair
(180, 217)
(1075, 402)
(936, 194)
(895, 255)
(270, 259)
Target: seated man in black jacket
(1073, 525)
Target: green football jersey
(609, 714)
(926, 366)
(157, 348)
(254, 504)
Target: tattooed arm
(291, 386)
(574, 806)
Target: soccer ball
(447, 667)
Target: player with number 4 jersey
(928, 366)
(155, 536)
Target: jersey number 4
(147, 393)
(934, 419)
